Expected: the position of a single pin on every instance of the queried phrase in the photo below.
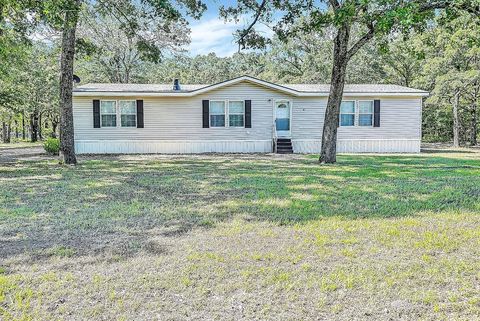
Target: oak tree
(374, 18)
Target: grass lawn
(241, 238)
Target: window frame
(243, 113)
(116, 113)
(372, 113)
(225, 113)
(355, 109)
(119, 111)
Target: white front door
(282, 118)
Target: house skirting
(308, 146)
(304, 146)
(172, 146)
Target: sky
(212, 34)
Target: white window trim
(225, 113)
(355, 111)
(116, 113)
(243, 114)
(358, 113)
(119, 111)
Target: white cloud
(215, 35)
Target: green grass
(241, 237)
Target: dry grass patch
(241, 238)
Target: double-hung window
(108, 113)
(236, 113)
(217, 113)
(365, 113)
(128, 113)
(347, 113)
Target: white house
(242, 115)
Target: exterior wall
(399, 132)
(174, 125)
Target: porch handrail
(274, 135)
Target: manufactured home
(242, 115)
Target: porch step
(284, 146)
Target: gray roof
(135, 88)
(354, 88)
(301, 88)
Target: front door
(282, 118)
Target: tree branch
(334, 4)
(361, 42)
(245, 32)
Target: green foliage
(52, 146)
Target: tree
(451, 71)
(374, 18)
(402, 61)
(112, 52)
(64, 16)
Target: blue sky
(212, 34)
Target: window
(236, 113)
(108, 112)
(217, 113)
(347, 113)
(365, 113)
(128, 113)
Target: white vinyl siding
(169, 120)
(180, 118)
(400, 118)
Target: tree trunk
(9, 131)
(474, 129)
(40, 127)
(4, 132)
(67, 143)
(456, 122)
(34, 126)
(17, 132)
(23, 125)
(337, 83)
(54, 129)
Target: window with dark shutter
(248, 114)
(206, 113)
(376, 113)
(140, 114)
(96, 113)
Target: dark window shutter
(140, 114)
(248, 114)
(206, 113)
(96, 113)
(376, 113)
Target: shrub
(52, 146)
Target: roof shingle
(305, 89)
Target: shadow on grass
(446, 151)
(120, 207)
